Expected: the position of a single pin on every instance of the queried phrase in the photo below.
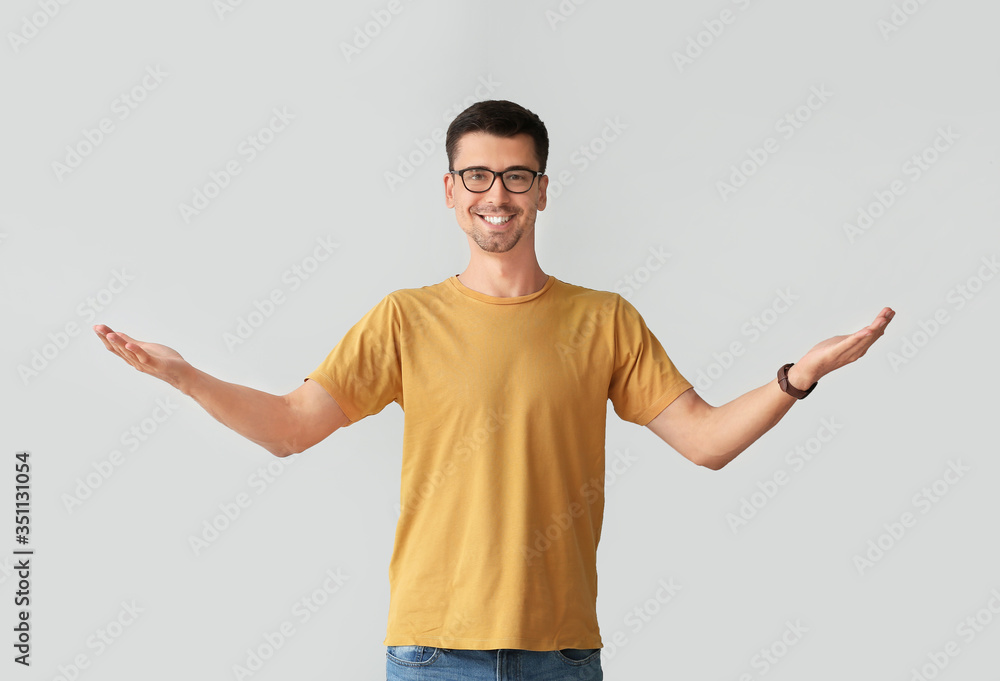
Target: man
(504, 373)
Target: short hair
(501, 118)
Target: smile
(496, 219)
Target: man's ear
(449, 190)
(543, 185)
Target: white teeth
(497, 220)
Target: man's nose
(498, 192)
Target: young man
(504, 373)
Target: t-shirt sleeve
(363, 372)
(644, 380)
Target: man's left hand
(835, 352)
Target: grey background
(654, 187)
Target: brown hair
(501, 118)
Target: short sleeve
(363, 372)
(644, 380)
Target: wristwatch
(788, 387)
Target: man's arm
(281, 424)
(713, 436)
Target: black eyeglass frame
(536, 173)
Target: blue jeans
(424, 663)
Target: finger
(139, 353)
(111, 341)
(119, 346)
(877, 327)
(104, 339)
(867, 341)
(856, 345)
(129, 339)
(866, 335)
(851, 347)
(881, 324)
(134, 347)
(107, 338)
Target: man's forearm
(714, 436)
(261, 417)
(736, 425)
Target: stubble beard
(498, 241)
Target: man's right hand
(281, 424)
(149, 358)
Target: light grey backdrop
(798, 164)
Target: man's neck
(503, 278)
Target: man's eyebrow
(502, 171)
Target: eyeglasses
(515, 180)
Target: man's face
(481, 150)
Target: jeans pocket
(412, 656)
(578, 656)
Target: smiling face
(496, 220)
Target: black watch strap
(788, 387)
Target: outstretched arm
(713, 436)
(281, 424)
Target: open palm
(835, 352)
(149, 358)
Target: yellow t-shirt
(502, 490)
